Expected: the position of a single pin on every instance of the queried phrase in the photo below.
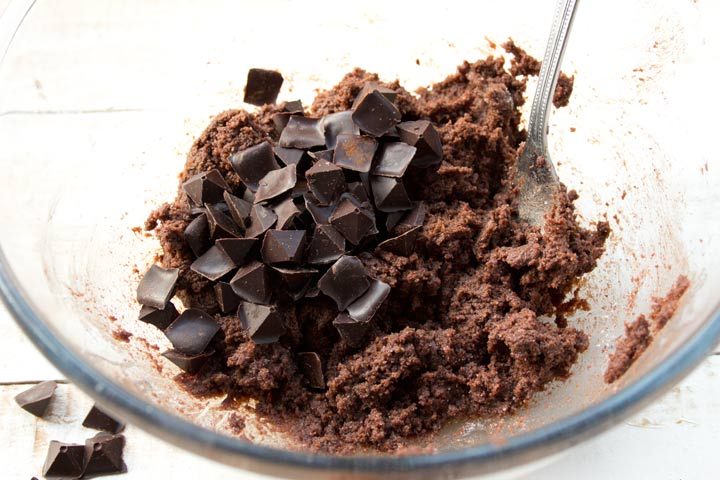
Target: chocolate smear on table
(100, 420)
(37, 398)
(64, 460)
(262, 86)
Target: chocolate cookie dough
(459, 331)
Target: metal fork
(535, 175)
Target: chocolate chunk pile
(331, 188)
(100, 455)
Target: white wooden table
(676, 438)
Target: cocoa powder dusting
(638, 334)
(460, 333)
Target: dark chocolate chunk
(288, 214)
(355, 152)
(249, 196)
(280, 120)
(64, 460)
(192, 332)
(227, 299)
(370, 87)
(345, 281)
(365, 307)
(393, 159)
(252, 283)
(302, 132)
(293, 106)
(389, 194)
(350, 329)
(403, 244)
(253, 163)
(375, 114)
(295, 280)
(261, 219)
(157, 286)
(326, 181)
(263, 324)
(262, 86)
(320, 215)
(300, 189)
(412, 218)
(37, 398)
(239, 209)
(160, 318)
(188, 363)
(104, 455)
(213, 264)
(326, 246)
(357, 189)
(289, 156)
(206, 187)
(335, 124)
(221, 226)
(326, 155)
(197, 235)
(237, 249)
(99, 420)
(311, 367)
(353, 221)
(276, 183)
(283, 246)
(422, 135)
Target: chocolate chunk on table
(237, 249)
(100, 420)
(365, 307)
(326, 181)
(252, 283)
(370, 87)
(37, 398)
(227, 299)
(263, 324)
(253, 163)
(157, 286)
(345, 281)
(350, 330)
(393, 159)
(422, 135)
(206, 187)
(104, 455)
(326, 246)
(352, 220)
(355, 152)
(239, 209)
(283, 246)
(64, 460)
(302, 132)
(192, 332)
(389, 194)
(375, 114)
(220, 225)
(275, 183)
(311, 367)
(262, 86)
(159, 318)
(213, 264)
(188, 363)
(261, 219)
(197, 234)
(338, 123)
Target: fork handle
(549, 72)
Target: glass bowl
(99, 101)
